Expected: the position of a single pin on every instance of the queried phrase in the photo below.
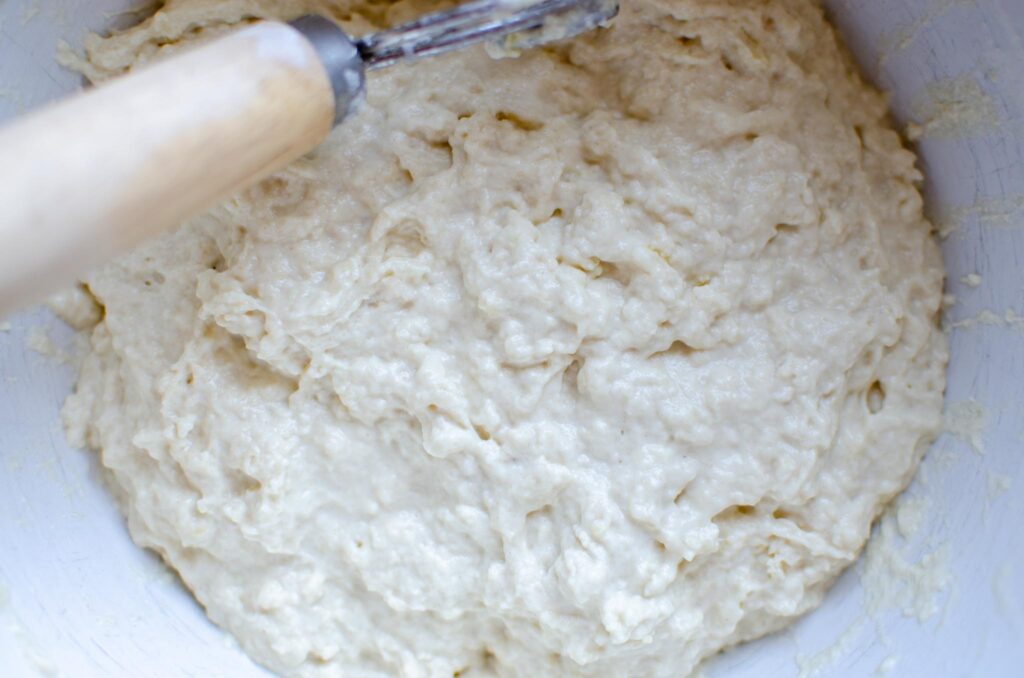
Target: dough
(590, 362)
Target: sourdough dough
(590, 362)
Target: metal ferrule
(341, 59)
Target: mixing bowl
(941, 592)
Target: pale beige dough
(590, 362)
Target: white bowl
(78, 598)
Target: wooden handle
(91, 176)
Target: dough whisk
(85, 179)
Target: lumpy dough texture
(589, 362)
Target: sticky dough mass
(590, 362)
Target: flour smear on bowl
(589, 362)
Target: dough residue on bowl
(590, 362)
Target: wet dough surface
(590, 362)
